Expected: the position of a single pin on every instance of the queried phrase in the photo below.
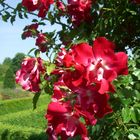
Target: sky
(10, 36)
(10, 40)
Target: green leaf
(25, 15)
(35, 99)
(137, 73)
(126, 115)
(20, 15)
(132, 12)
(31, 51)
(34, 20)
(5, 17)
(42, 23)
(12, 19)
(79, 41)
(37, 53)
(19, 6)
(135, 132)
(131, 137)
(133, 114)
(48, 88)
(50, 68)
(51, 18)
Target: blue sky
(10, 37)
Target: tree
(3, 67)
(16, 61)
(7, 61)
(9, 79)
(3, 70)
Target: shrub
(16, 61)
(9, 79)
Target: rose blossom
(98, 65)
(41, 42)
(79, 10)
(30, 31)
(62, 121)
(85, 75)
(61, 5)
(29, 74)
(41, 5)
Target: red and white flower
(30, 31)
(79, 10)
(62, 121)
(41, 42)
(41, 5)
(29, 74)
(98, 65)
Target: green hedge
(31, 118)
(12, 132)
(15, 105)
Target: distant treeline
(8, 69)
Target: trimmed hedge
(15, 105)
(18, 120)
(12, 132)
(32, 118)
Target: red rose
(41, 5)
(30, 31)
(29, 74)
(98, 64)
(31, 5)
(63, 122)
(41, 42)
(79, 10)
(60, 6)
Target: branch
(31, 13)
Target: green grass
(15, 105)
(18, 92)
(32, 118)
(18, 120)
(14, 132)
(13, 93)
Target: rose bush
(87, 64)
(86, 73)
